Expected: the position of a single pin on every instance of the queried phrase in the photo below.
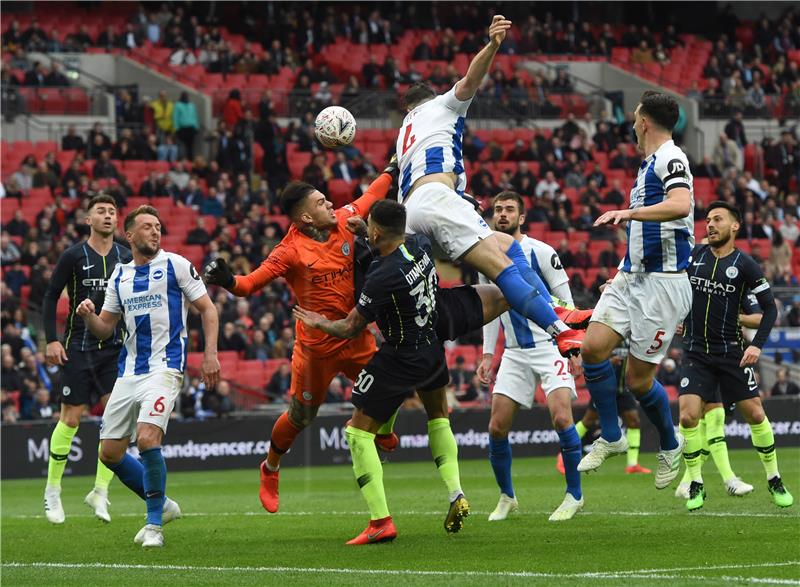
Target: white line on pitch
(436, 513)
(638, 574)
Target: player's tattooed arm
(357, 226)
(348, 327)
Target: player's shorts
(459, 311)
(312, 375)
(522, 370)
(717, 378)
(394, 374)
(626, 402)
(646, 306)
(140, 398)
(445, 218)
(89, 375)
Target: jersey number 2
(408, 139)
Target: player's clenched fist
(85, 308)
(498, 28)
(219, 273)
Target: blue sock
(655, 404)
(500, 457)
(602, 384)
(571, 449)
(517, 256)
(155, 480)
(131, 472)
(526, 300)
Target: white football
(335, 127)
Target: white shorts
(648, 307)
(521, 371)
(140, 398)
(446, 218)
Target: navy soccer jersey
(400, 294)
(85, 273)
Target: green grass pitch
(628, 534)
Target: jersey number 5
(408, 139)
(657, 343)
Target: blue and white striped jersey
(660, 246)
(519, 331)
(430, 141)
(153, 300)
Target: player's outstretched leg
(764, 443)
(60, 443)
(715, 433)
(369, 476)
(97, 498)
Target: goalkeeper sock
(691, 452)
(103, 477)
(281, 440)
(388, 426)
(500, 458)
(602, 384)
(581, 429)
(131, 472)
(655, 404)
(571, 450)
(60, 443)
(715, 437)
(445, 454)
(368, 471)
(764, 443)
(634, 436)
(155, 480)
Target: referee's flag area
(628, 534)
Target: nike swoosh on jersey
(310, 265)
(124, 280)
(85, 267)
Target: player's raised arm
(218, 272)
(348, 327)
(467, 86)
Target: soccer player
(530, 357)
(317, 259)
(716, 356)
(151, 294)
(712, 424)
(89, 363)
(628, 411)
(401, 295)
(432, 181)
(650, 295)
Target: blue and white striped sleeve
(673, 170)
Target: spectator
(109, 39)
(231, 339)
(734, 130)
(582, 258)
(232, 111)
(104, 168)
(218, 400)
(18, 226)
(9, 373)
(186, 124)
(609, 257)
(167, 150)
(706, 169)
(780, 256)
(198, 235)
(726, 154)
(668, 373)
(163, 110)
(335, 392)
(97, 142)
(283, 347)
(471, 392)
(784, 386)
(9, 253)
(55, 78)
(788, 228)
(547, 187)
(342, 168)
(72, 141)
(459, 375)
(36, 76)
(43, 408)
(281, 381)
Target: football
(335, 127)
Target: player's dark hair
(294, 193)
(730, 208)
(660, 108)
(418, 92)
(102, 199)
(510, 195)
(389, 215)
(130, 219)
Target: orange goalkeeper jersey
(320, 274)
